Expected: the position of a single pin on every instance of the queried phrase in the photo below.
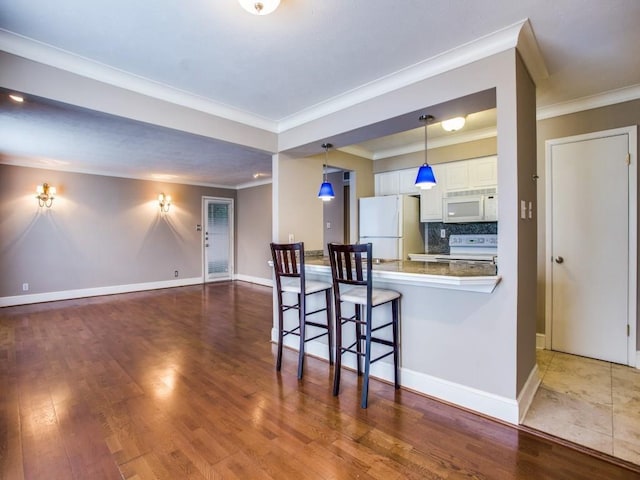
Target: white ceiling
(272, 70)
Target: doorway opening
(337, 213)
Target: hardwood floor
(181, 383)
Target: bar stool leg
(327, 299)
(280, 333)
(367, 359)
(395, 308)
(358, 325)
(336, 368)
(301, 319)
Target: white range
(465, 248)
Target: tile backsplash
(435, 244)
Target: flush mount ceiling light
(425, 179)
(259, 7)
(453, 124)
(326, 190)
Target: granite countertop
(421, 268)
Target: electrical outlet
(443, 233)
(25, 287)
(175, 274)
(328, 225)
(291, 238)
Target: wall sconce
(45, 195)
(165, 202)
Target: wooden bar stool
(352, 283)
(288, 264)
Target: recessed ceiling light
(16, 98)
(259, 7)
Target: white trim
(267, 282)
(516, 35)
(55, 57)
(632, 133)
(540, 341)
(483, 47)
(527, 393)
(604, 99)
(486, 403)
(95, 292)
(638, 360)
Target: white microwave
(470, 206)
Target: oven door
(463, 209)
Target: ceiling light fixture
(261, 7)
(45, 194)
(425, 179)
(453, 124)
(326, 190)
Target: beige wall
(253, 220)
(594, 120)
(101, 231)
(299, 211)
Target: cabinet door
(387, 183)
(457, 175)
(483, 172)
(407, 181)
(431, 200)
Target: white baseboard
(637, 360)
(540, 341)
(267, 282)
(496, 406)
(94, 292)
(528, 392)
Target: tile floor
(589, 402)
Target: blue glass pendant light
(425, 179)
(326, 190)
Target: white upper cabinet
(387, 183)
(396, 182)
(472, 174)
(457, 175)
(431, 199)
(483, 172)
(407, 181)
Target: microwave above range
(470, 206)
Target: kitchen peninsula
(443, 321)
(450, 275)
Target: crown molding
(54, 57)
(475, 50)
(604, 99)
(530, 53)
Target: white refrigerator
(392, 224)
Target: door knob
(206, 244)
(559, 259)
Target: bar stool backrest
(288, 262)
(350, 265)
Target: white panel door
(590, 247)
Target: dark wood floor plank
(181, 383)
